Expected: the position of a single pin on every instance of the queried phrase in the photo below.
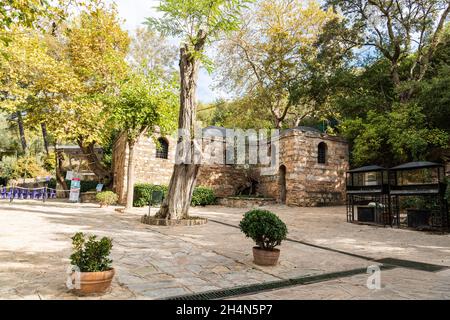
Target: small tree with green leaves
(197, 22)
(91, 255)
(144, 103)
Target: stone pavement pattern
(159, 262)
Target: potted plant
(267, 230)
(90, 259)
(106, 198)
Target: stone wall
(309, 183)
(149, 169)
(223, 179)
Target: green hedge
(142, 193)
(203, 196)
(85, 185)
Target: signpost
(75, 187)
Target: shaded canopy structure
(410, 195)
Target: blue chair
(52, 194)
(9, 193)
(3, 192)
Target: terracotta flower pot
(266, 257)
(95, 282)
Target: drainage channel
(273, 285)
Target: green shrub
(22, 167)
(3, 181)
(264, 227)
(91, 255)
(203, 196)
(107, 198)
(143, 193)
(84, 185)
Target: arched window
(322, 153)
(162, 149)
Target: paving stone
(159, 262)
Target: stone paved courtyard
(161, 262)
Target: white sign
(69, 175)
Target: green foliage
(187, 17)
(49, 162)
(144, 103)
(107, 198)
(387, 138)
(91, 255)
(243, 113)
(22, 167)
(9, 143)
(264, 227)
(143, 193)
(85, 185)
(203, 196)
(26, 13)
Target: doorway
(282, 184)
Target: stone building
(310, 171)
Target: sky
(134, 13)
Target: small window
(322, 153)
(162, 149)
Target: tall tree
(271, 55)
(197, 22)
(61, 78)
(395, 29)
(144, 104)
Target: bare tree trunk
(21, 131)
(59, 177)
(45, 136)
(130, 175)
(178, 200)
(94, 162)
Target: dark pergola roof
(367, 169)
(417, 165)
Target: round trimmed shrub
(106, 198)
(203, 196)
(264, 227)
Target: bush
(27, 166)
(85, 186)
(143, 193)
(91, 255)
(3, 181)
(107, 198)
(264, 227)
(203, 196)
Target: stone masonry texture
(307, 182)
